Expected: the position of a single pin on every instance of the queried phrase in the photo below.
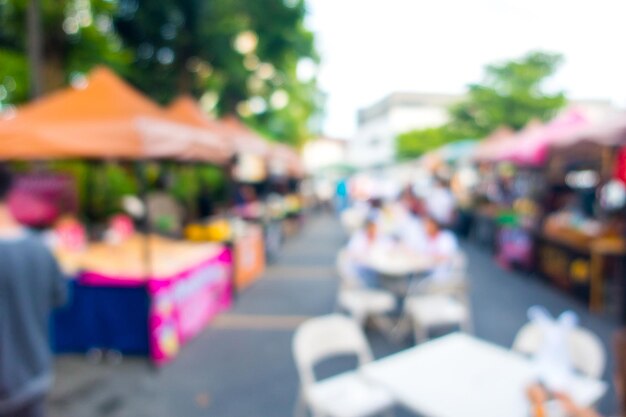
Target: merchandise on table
(248, 243)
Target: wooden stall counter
(584, 263)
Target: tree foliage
(415, 143)
(78, 34)
(234, 55)
(511, 94)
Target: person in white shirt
(441, 204)
(442, 245)
(360, 246)
(413, 233)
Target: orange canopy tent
(104, 118)
(185, 109)
(245, 140)
(281, 158)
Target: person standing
(31, 285)
(342, 198)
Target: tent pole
(140, 168)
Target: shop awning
(285, 160)
(244, 138)
(531, 146)
(101, 119)
(457, 151)
(611, 132)
(489, 147)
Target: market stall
(267, 177)
(286, 173)
(581, 246)
(116, 302)
(518, 190)
(486, 204)
(245, 238)
(132, 293)
(550, 189)
(454, 163)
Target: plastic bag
(552, 358)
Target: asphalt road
(242, 366)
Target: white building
(379, 124)
(323, 152)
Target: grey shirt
(31, 285)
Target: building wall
(374, 141)
(323, 152)
(379, 124)
(403, 119)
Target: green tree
(511, 94)
(415, 143)
(234, 55)
(77, 34)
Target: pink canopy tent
(506, 149)
(611, 132)
(532, 145)
(489, 146)
(496, 146)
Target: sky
(370, 48)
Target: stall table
(117, 304)
(608, 292)
(565, 262)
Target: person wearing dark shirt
(31, 285)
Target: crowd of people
(407, 224)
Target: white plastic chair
(454, 283)
(343, 395)
(359, 302)
(441, 302)
(585, 348)
(436, 310)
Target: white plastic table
(459, 375)
(398, 263)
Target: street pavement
(242, 365)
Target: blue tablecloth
(113, 318)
